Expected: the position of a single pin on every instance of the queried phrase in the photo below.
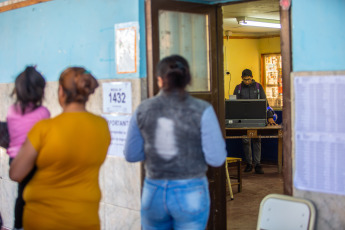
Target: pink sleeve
(19, 125)
(44, 112)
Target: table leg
(239, 176)
(280, 154)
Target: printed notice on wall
(126, 47)
(320, 133)
(117, 97)
(118, 126)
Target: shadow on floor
(243, 210)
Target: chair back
(285, 213)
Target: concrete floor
(243, 210)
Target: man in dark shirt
(249, 89)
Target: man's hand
(271, 121)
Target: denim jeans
(175, 204)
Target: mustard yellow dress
(64, 192)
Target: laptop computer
(245, 113)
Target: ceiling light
(261, 22)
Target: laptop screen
(245, 109)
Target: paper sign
(118, 126)
(320, 133)
(126, 47)
(117, 97)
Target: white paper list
(320, 133)
(118, 126)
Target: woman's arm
(134, 146)
(213, 143)
(24, 162)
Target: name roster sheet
(320, 133)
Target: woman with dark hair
(177, 136)
(21, 117)
(68, 151)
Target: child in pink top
(21, 117)
(20, 124)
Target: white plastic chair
(282, 212)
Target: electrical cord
(229, 82)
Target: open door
(195, 32)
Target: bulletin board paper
(117, 97)
(118, 126)
(126, 50)
(319, 131)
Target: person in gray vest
(177, 136)
(249, 89)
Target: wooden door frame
(218, 217)
(16, 5)
(285, 50)
(285, 44)
(285, 38)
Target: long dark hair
(174, 70)
(29, 89)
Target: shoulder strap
(258, 88)
(239, 88)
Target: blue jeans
(175, 204)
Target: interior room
(258, 49)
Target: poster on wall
(117, 97)
(126, 50)
(118, 126)
(319, 131)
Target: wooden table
(274, 131)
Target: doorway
(192, 30)
(258, 49)
(214, 91)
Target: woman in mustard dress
(68, 151)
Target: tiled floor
(243, 211)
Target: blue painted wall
(318, 35)
(57, 34)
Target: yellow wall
(240, 54)
(269, 45)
